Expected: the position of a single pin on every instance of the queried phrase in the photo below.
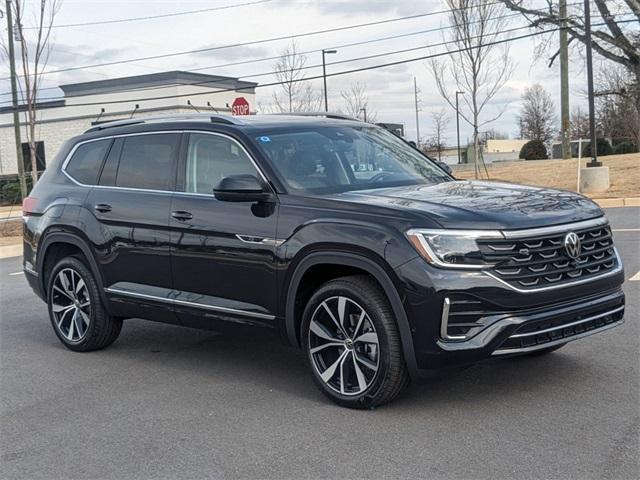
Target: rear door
(223, 253)
(132, 204)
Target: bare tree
(473, 65)
(356, 102)
(440, 121)
(537, 114)
(294, 94)
(579, 124)
(34, 53)
(618, 40)
(617, 116)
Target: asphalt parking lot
(169, 402)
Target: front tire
(76, 311)
(351, 339)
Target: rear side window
(84, 165)
(148, 161)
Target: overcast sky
(390, 90)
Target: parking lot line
(626, 230)
(16, 273)
(636, 277)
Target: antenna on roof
(192, 106)
(134, 110)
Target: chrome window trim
(67, 159)
(174, 301)
(616, 270)
(567, 325)
(564, 228)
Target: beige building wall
(505, 146)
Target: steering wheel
(378, 177)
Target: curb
(9, 251)
(617, 202)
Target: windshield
(344, 158)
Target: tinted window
(85, 163)
(326, 159)
(110, 168)
(210, 158)
(147, 161)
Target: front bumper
(458, 317)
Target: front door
(223, 253)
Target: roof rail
(333, 116)
(202, 117)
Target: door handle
(102, 208)
(181, 216)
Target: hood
(482, 205)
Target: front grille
(542, 332)
(540, 261)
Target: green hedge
(625, 147)
(10, 190)
(603, 148)
(533, 150)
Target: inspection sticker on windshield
(265, 139)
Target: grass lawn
(624, 174)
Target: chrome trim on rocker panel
(190, 304)
(618, 269)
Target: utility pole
(324, 77)
(364, 110)
(458, 125)
(415, 94)
(565, 128)
(14, 103)
(592, 117)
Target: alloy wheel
(71, 305)
(344, 346)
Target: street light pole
(592, 118)
(364, 110)
(458, 125)
(324, 77)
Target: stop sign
(240, 106)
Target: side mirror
(241, 188)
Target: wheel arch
(71, 239)
(354, 261)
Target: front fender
(363, 263)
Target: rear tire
(351, 339)
(76, 310)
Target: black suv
(333, 233)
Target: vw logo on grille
(572, 245)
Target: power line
(263, 59)
(338, 62)
(334, 74)
(344, 72)
(152, 17)
(254, 42)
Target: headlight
(451, 248)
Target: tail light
(28, 206)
